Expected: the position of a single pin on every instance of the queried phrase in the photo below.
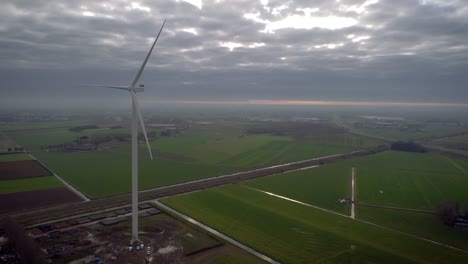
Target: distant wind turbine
(136, 116)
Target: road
(48, 214)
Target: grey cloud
(415, 51)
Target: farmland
(293, 233)
(431, 131)
(33, 199)
(408, 180)
(456, 142)
(21, 185)
(29, 185)
(420, 224)
(14, 157)
(22, 169)
(418, 181)
(195, 153)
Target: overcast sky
(343, 50)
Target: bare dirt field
(22, 169)
(169, 241)
(21, 201)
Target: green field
(401, 179)
(98, 174)
(29, 184)
(410, 180)
(428, 131)
(35, 125)
(457, 142)
(421, 224)
(14, 157)
(198, 152)
(321, 186)
(293, 233)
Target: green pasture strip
(30, 125)
(34, 140)
(279, 152)
(14, 157)
(421, 224)
(402, 179)
(293, 233)
(456, 164)
(29, 184)
(102, 173)
(321, 186)
(410, 180)
(429, 131)
(212, 148)
(456, 139)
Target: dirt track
(33, 217)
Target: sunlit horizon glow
(310, 103)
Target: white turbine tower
(136, 116)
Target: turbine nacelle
(137, 89)
(140, 88)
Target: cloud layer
(395, 50)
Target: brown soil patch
(22, 169)
(21, 201)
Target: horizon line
(310, 102)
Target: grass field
(458, 142)
(293, 233)
(410, 180)
(29, 184)
(35, 125)
(14, 157)
(198, 152)
(429, 131)
(321, 186)
(101, 173)
(425, 225)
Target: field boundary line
(360, 220)
(456, 165)
(294, 201)
(395, 208)
(215, 232)
(66, 183)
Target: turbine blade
(147, 57)
(140, 119)
(108, 86)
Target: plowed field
(20, 201)
(22, 169)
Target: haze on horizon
(240, 51)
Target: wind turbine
(136, 117)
